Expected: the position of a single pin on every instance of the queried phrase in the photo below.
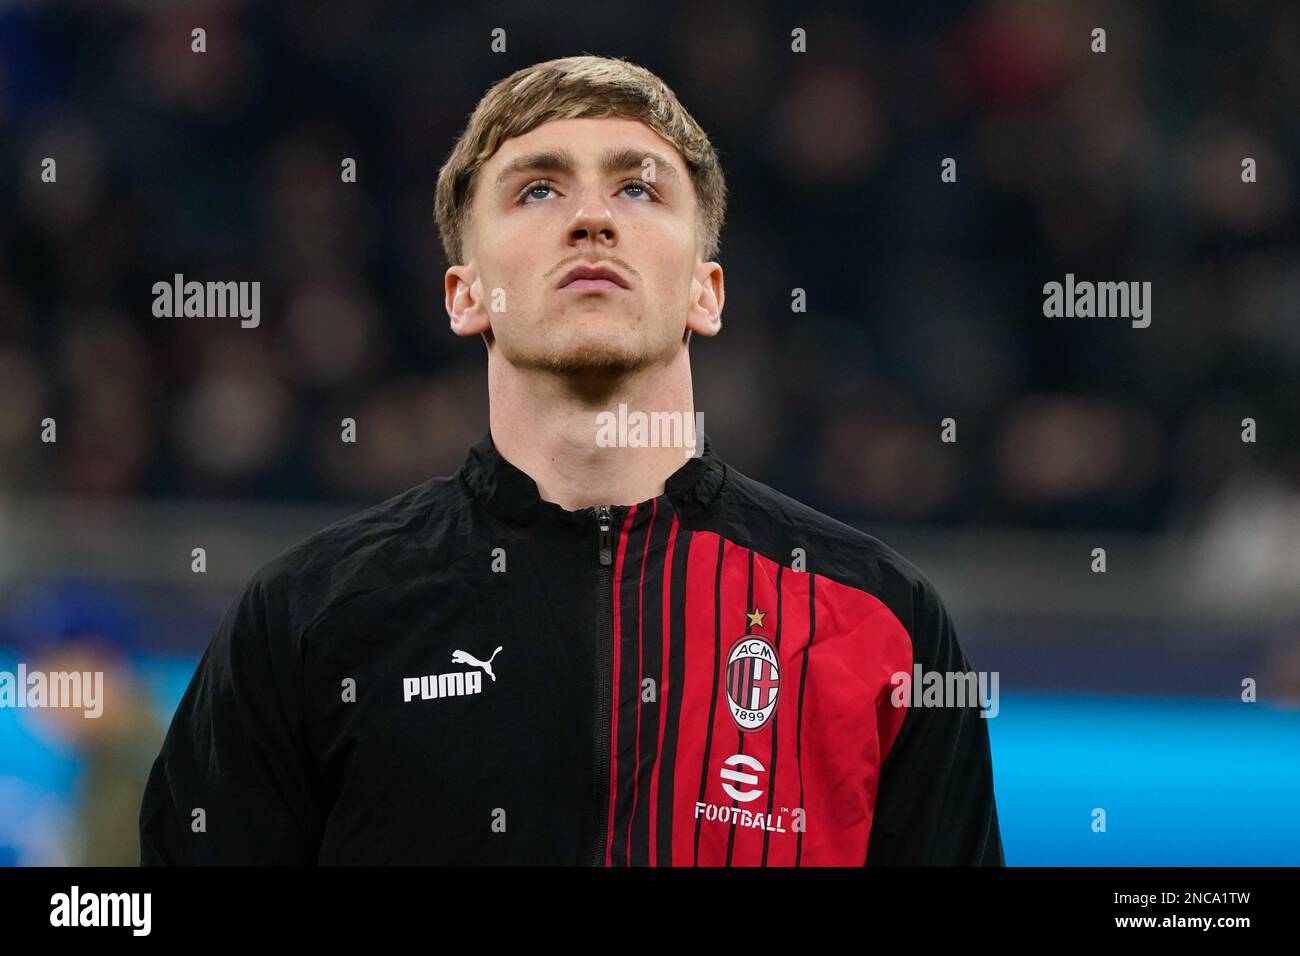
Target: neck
(550, 427)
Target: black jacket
(467, 674)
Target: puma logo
(464, 657)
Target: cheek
(509, 268)
(672, 280)
(666, 255)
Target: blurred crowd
(924, 298)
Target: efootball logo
(753, 682)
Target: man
(579, 650)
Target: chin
(597, 359)
(594, 346)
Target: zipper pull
(606, 537)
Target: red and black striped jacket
(468, 674)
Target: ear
(707, 295)
(464, 301)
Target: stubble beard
(590, 358)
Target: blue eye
(645, 188)
(541, 184)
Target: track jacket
(467, 674)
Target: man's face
(608, 192)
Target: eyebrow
(563, 162)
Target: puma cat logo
(464, 657)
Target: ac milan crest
(753, 682)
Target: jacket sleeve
(233, 784)
(935, 802)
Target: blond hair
(570, 88)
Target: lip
(589, 284)
(592, 277)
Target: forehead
(586, 138)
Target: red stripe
(748, 847)
(640, 623)
(702, 670)
(785, 719)
(701, 562)
(664, 688)
(612, 717)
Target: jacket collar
(512, 494)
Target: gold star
(755, 617)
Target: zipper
(604, 643)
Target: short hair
(571, 88)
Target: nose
(593, 220)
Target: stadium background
(1119, 690)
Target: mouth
(591, 278)
(591, 284)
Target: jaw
(589, 368)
